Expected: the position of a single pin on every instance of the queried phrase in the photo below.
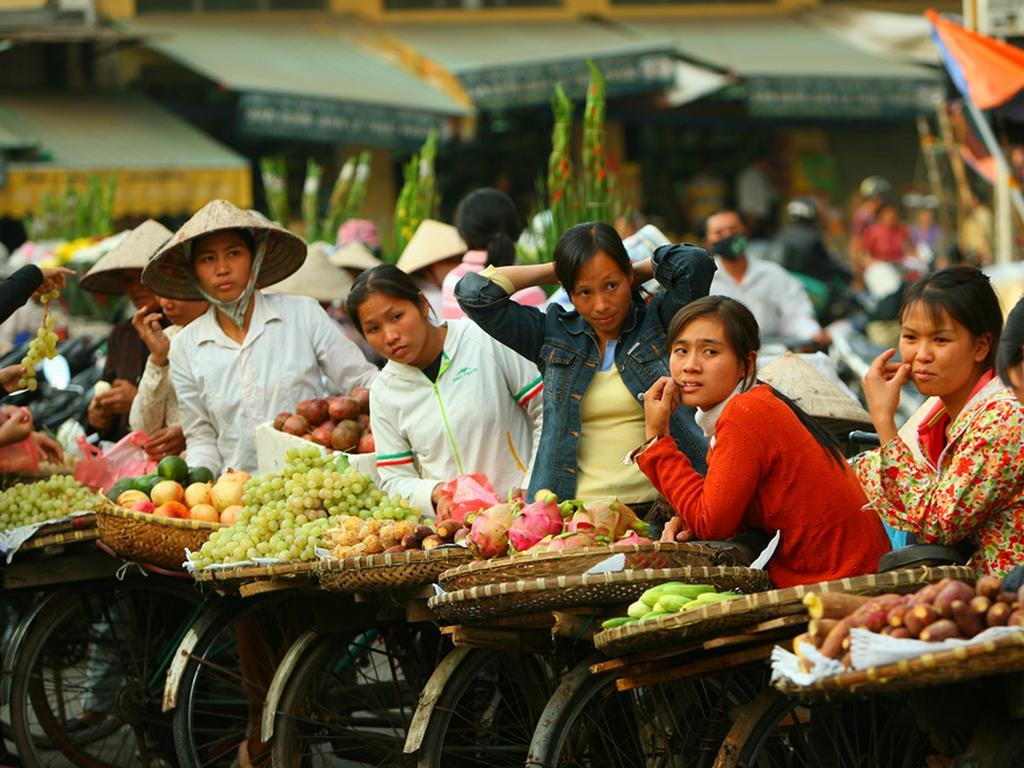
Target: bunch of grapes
(49, 499)
(287, 513)
(42, 347)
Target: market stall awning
(513, 64)
(791, 68)
(305, 77)
(163, 165)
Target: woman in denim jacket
(598, 359)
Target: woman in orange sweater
(770, 466)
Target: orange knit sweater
(766, 471)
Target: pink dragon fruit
(581, 521)
(632, 538)
(614, 519)
(535, 521)
(576, 540)
(489, 535)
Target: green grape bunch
(42, 347)
(50, 499)
(286, 514)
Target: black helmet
(802, 209)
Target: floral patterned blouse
(977, 491)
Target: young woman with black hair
(770, 466)
(598, 358)
(488, 221)
(952, 474)
(450, 399)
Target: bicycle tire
(155, 611)
(480, 744)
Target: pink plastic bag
(20, 458)
(99, 471)
(467, 493)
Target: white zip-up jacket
(483, 414)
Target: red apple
(296, 425)
(314, 411)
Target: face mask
(236, 309)
(730, 248)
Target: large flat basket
(273, 575)
(370, 573)
(720, 617)
(150, 539)
(479, 604)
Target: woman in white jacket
(450, 400)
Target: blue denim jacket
(565, 348)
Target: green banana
(618, 621)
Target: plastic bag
(100, 470)
(20, 457)
(467, 493)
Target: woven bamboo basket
(74, 529)
(370, 573)
(577, 561)
(151, 539)
(11, 479)
(479, 604)
(232, 578)
(716, 618)
(928, 670)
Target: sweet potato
(919, 617)
(818, 629)
(895, 616)
(446, 528)
(833, 645)
(847, 660)
(967, 620)
(955, 590)
(901, 632)
(431, 542)
(928, 592)
(1007, 598)
(1020, 594)
(988, 586)
(1016, 618)
(832, 605)
(943, 629)
(873, 614)
(980, 604)
(998, 615)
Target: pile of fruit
(42, 347)
(355, 536)
(940, 611)
(669, 599)
(179, 491)
(548, 526)
(341, 423)
(49, 499)
(285, 515)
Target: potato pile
(940, 611)
(356, 536)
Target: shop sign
(531, 84)
(867, 98)
(302, 118)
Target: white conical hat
(133, 252)
(804, 384)
(354, 255)
(169, 272)
(432, 242)
(316, 277)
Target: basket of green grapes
(55, 510)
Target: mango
(618, 621)
(651, 616)
(709, 598)
(638, 610)
(671, 603)
(651, 596)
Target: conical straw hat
(432, 242)
(133, 252)
(316, 278)
(812, 391)
(169, 272)
(355, 255)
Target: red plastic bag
(21, 457)
(467, 493)
(128, 458)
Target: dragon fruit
(581, 520)
(576, 540)
(488, 536)
(633, 538)
(614, 519)
(535, 521)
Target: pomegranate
(366, 444)
(362, 396)
(345, 436)
(330, 425)
(322, 436)
(280, 419)
(342, 408)
(296, 425)
(363, 420)
(315, 411)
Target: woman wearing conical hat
(434, 250)
(251, 355)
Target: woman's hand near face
(643, 271)
(882, 384)
(146, 323)
(16, 427)
(659, 402)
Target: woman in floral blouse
(953, 472)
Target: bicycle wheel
(99, 652)
(588, 723)
(350, 700)
(224, 683)
(782, 732)
(487, 711)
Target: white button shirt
(292, 351)
(779, 302)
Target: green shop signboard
(867, 98)
(302, 118)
